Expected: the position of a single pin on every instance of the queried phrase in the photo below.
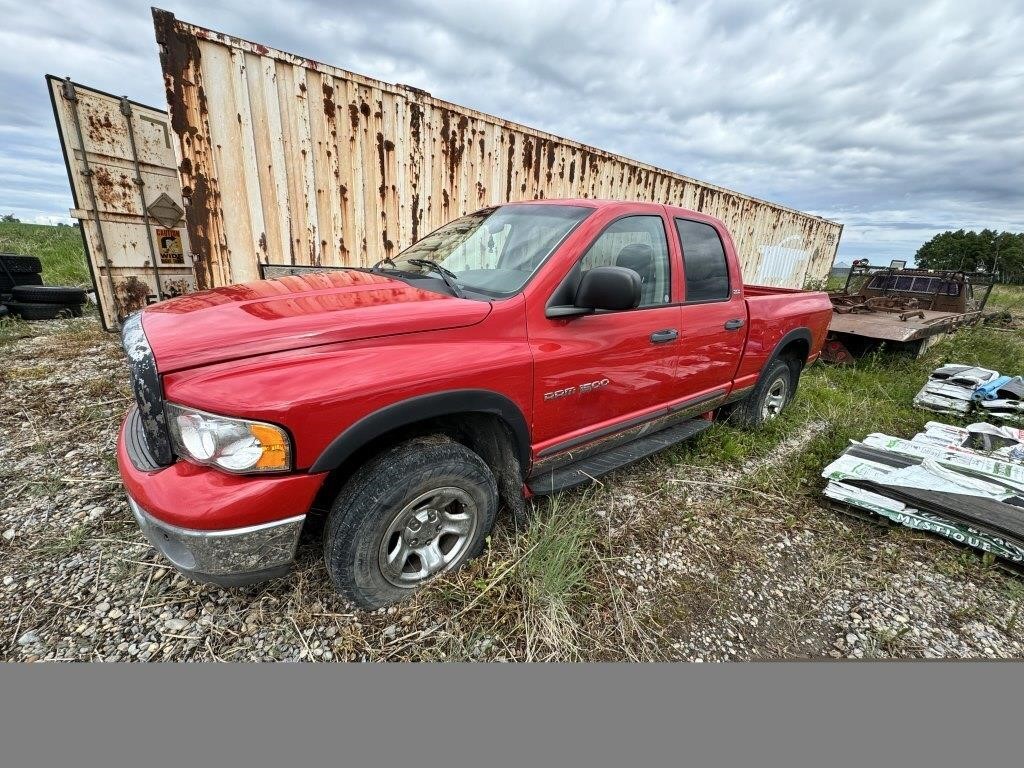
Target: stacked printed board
(964, 483)
(962, 389)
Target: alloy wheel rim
(428, 536)
(775, 399)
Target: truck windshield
(493, 251)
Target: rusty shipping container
(284, 160)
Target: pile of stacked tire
(23, 294)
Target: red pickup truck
(522, 349)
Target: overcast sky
(898, 119)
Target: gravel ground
(688, 562)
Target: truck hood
(294, 312)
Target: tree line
(988, 251)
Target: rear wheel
(420, 509)
(775, 398)
(774, 391)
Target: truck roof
(587, 202)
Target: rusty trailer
(903, 308)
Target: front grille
(149, 395)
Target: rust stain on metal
(381, 153)
(133, 293)
(179, 53)
(415, 118)
(102, 128)
(196, 219)
(176, 287)
(415, 217)
(329, 107)
(181, 60)
(508, 166)
(116, 194)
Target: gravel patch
(691, 564)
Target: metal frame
(126, 110)
(973, 280)
(69, 92)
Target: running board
(585, 470)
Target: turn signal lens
(275, 447)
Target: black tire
(19, 278)
(361, 527)
(763, 404)
(48, 294)
(17, 264)
(3, 310)
(44, 311)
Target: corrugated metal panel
(783, 265)
(287, 160)
(120, 160)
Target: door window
(704, 264)
(637, 243)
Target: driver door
(607, 371)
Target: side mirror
(602, 288)
(609, 288)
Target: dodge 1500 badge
(522, 349)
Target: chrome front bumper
(231, 557)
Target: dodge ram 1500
(519, 350)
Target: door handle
(660, 337)
(732, 325)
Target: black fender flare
(416, 409)
(797, 334)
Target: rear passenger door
(714, 314)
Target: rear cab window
(705, 268)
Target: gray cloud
(899, 120)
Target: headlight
(235, 445)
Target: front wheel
(420, 509)
(774, 391)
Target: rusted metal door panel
(285, 160)
(110, 144)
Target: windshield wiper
(447, 275)
(386, 260)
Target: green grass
(847, 402)
(1006, 298)
(59, 248)
(558, 561)
(12, 329)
